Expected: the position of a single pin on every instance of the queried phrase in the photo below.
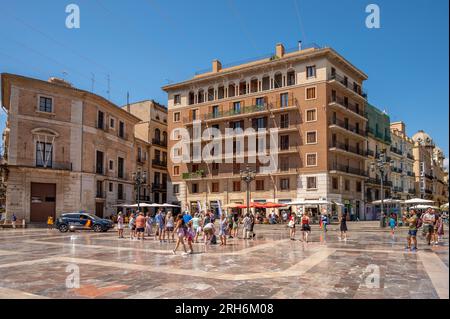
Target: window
(177, 99)
(121, 129)
(237, 107)
(260, 101)
(215, 166)
(112, 123)
(284, 100)
(45, 104)
(211, 94)
(311, 71)
(44, 154)
(311, 115)
(111, 165)
(347, 185)
(311, 182)
(120, 194)
(260, 185)
(284, 120)
(194, 188)
(176, 117)
(176, 189)
(176, 170)
(201, 96)
(284, 183)
(231, 90)
(284, 163)
(237, 124)
(311, 159)
(100, 120)
(120, 167)
(266, 83)
(335, 183)
(99, 189)
(278, 81)
(310, 93)
(358, 187)
(284, 142)
(311, 137)
(236, 186)
(242, 88)
(215, 187)
(99, 163)
(111, 187)
(259, 123)
(291, 78)
(221, 92)
(215, 111)
(191, 98)
(194, 114)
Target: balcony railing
(159, 142)
(370, 153)
(348, 169)
(140, 160)
(339, 78)
(349, 106)
(194, 175)
(100, 194)
(347, 126)
(159, 186)
(158, 162)
(396, 150)
(233, 112)
(377, 181)
(347, 148)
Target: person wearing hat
(120, 225)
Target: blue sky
(145, 44)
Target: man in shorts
(412, 219)
(428, 220)
(140, 226)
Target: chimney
(216, 66)
(300, 45)
(128, 102)
(279, 50)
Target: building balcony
(370, 153)
(411, 174)
(346, 128)
(349, 150)
(397, 189)
(159, 142)
(159, 186)
(377, 181)
(143, 198)
(410, 156)
(121, 196)
(348, 169)
(396, 170)
(347, 106)
(140, 160)
(396, 150)
(194, 175)
(343, 82)
(64, 166)
(158, 162)
(100, 194)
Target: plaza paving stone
(33, 264)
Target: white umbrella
(445, 206)
(387, 201)
(424, 207)
(169, 205)
(310, 202)
(418, 201)
(140, 205)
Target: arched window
(45, 139)
(291, 77)
(254, 85)
(266, 83)
(231, 90)
(201, 96)
(157, 135)
(278, 81)
(221, 92)
(191, 98)
(243, 88)
(211, 94)
(164, 137)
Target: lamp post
(380, 165)
(139, 180)
(248, 175)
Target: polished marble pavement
(37, 263)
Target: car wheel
(97, 228)
(63, 228)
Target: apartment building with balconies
(402, 172)
(65, 149)
(423, 164)
(312, 96)
(378, 142)
(152, 129)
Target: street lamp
(380, 165)
(248, 175)
(139, 179)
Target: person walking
(229, 218)
(170, 225)
(343, 226)
(223, 230)
(50, 222)
(306, 228)
(412, 220)
(132, 226)
(435, 239)
(247, 226)
(120, 225)
(324, 220)
(440, 228)
(149, 225)
(428, 220)
(160, 226)
(180, 229)
(190, 234)
(140, 226)
(393, 224)
(13, 221)
(291, 226)
(235, 227)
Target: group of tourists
(432, 224)
(186, 228)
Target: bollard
(23, 223)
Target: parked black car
(82, 221)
